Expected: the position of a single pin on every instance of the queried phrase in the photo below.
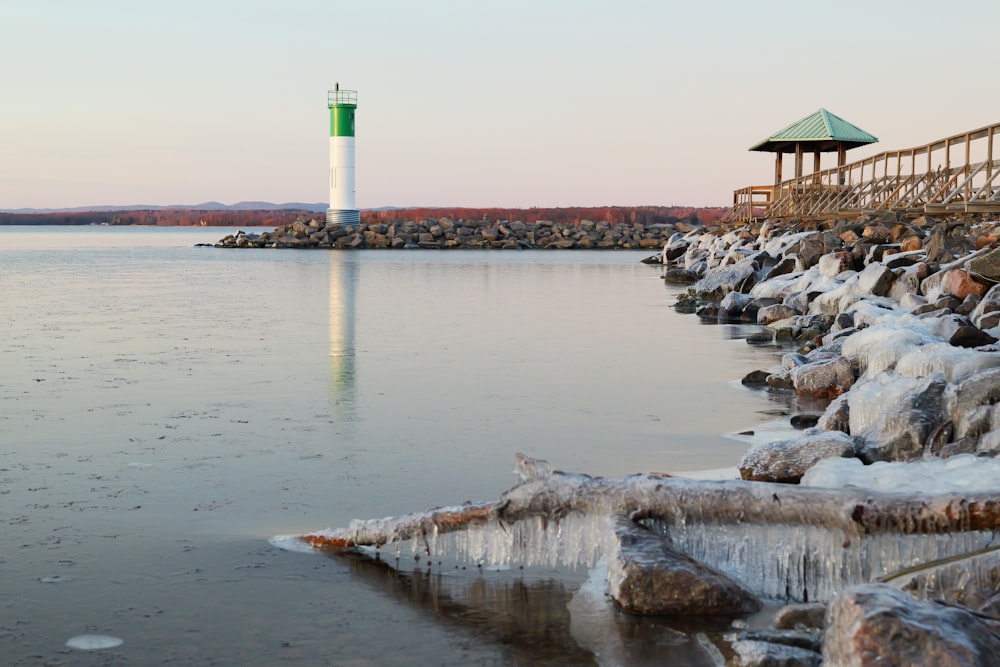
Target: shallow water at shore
(164, 409)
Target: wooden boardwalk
(960, 173)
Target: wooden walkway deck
(956, 174)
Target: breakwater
(445, 233)
(891, 327)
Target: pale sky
(512, 103)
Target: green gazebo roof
(821, 131)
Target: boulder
(823, 379)
(875, 279)
(834, 263)
(874, 625)
(986, 314)
(740, 276)
(947, 242)
(647, 575)
(960, 284)
(785, 461)
(960, 332)
(774, 313)
(892, 417)
(733, 304)
(801, 615)
(986, 267)
(756, 653)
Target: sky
(512, 103)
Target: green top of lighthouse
(342, 104)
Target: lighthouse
(343, 104)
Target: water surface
(166, 408)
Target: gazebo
(821, 132)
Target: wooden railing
(938, 177)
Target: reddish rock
(910, 243)
(960, 284)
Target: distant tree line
(615, 215)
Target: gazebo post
(777, 168)
(798, 159)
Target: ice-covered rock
(788, 460)
(757, 653)
(986, 266)
(956, 363)
(824, 379)
(774, 313)
(647, 575)
(892, 417)
(964, 473)
(716, 284)
(986, 314)
(879, 347)
(872, 625)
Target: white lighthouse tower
(343, 104)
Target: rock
(837, 415)
(892, 417)
(875, 625)
(960, 284)
(801, 615)
(962, 398)
(824, 379)
(781, 380)
(760, 338)
(835, 263)
(875, 279)
(774, 313)
(960, 332)
(947, 242)
(735, 277)
(732, 305)
(755, 378)
(986, 314)
(986, 267)
(680, 277)
(753, 653)
(803, 420)
(785, 461)
(647, 575)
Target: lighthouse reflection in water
(343, 289)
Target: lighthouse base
(341, 216)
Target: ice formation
(811, 562)
(878, 348)
(963, 473)
(956, 363)
(869, 397)
(93, 642)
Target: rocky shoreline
(445, 233)
(891, 328)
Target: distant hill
(204, 206)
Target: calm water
(165, 408)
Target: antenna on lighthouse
(342, 104)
